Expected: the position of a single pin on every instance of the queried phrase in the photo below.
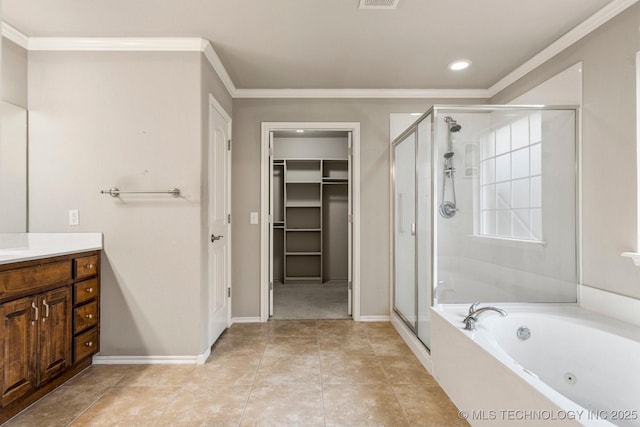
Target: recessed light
(459, 65)
(300, 131)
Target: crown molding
(14, 35)
(361, 93)
(194, 44)
(140, 44)
(578, 32)
(213, 58)
(120, 44)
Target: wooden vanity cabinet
(48, 308)
(54, 347)
(19, 343)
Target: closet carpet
(310, 301)
(281, 373)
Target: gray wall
(134, 120)
(373, 115)
(609, 145)
(13, 75)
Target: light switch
(74, 217)
(253, 218)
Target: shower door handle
(413, 228)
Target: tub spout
(472, 319)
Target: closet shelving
(298, 194)
(303, 220)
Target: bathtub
(568, 367)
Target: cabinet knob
(89, 344)
(89, 290)
(89, 316)
(89, 266)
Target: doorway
(310, 213)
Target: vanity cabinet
(49, 314)
(54, 334)
(19, 343)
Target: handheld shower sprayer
(448, 208)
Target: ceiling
(328, 44)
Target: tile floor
(282, 373)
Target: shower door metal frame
(413, 128)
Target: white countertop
(16, 247)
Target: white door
(219, 220)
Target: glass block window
(511, 180)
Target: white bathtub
(577, 367)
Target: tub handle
(474, 307)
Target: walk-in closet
(310, 196)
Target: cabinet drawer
(85, 317)
(85, 344)
(31, 279)
(85, 266)
(84, 291)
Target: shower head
(448, 155)
(453, 125)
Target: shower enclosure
(484, 209)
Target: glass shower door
(404, 169)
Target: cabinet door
(55, 332)
(18, 346)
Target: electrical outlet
(74, 217)
(253, 218)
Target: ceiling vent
(378, 4)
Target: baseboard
(374, 318)
(413, 342)
(199, 359)
(610, 304)
(246, 320)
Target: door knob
(214, 237)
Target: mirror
(13, 168)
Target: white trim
(202, 357)
(214, 102)
(246, 320)
(621, 307)
(198, 44)
(635, 257)
(375, 319)
(136, 44)
(413, 342)
(123, 44)
(11, 33)
(266, 127)
(217, 65)
(361, 93)
(578, 32)
(152, 360)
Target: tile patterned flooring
(282, 373)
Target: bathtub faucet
(471, 320)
